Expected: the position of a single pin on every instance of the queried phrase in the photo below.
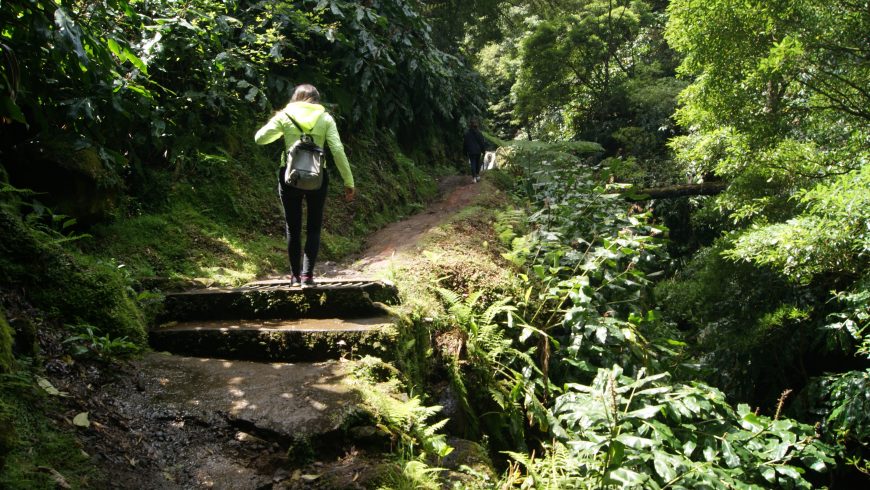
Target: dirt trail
(456, 192)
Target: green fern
(415, 475)
(557, 468)
(509, 376)
(405, 421)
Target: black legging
(474, 159)
(291, 198)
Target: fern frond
(422, 475)
(500, 306)
(473, 298)
(450, 297)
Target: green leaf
(81, 420)
(626, 478)
(781, 451)
(663, 464)
(709, 454)
(646, 412)
(731, 459)
(135, 60)
(816, 464)
(635, 442)
(68, 30)
(115, 48)
(689, 448)
(692, 404)
(789, 472)
(11, 110)
(752, 422)
(616, 453)
(48, 387)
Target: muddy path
(145, 436)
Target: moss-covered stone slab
(272, 300)
(308, 340)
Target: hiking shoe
(295, 282)
(308, 279)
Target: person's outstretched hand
(349, 194)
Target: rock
(470, 454)
(26, 342)
(305, 340)
(250, 439)
(366, 433)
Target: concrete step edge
(281, 325)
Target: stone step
(292, 401)
(305, 340)
(277, 299)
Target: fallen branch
(672, 191)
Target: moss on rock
(6, 359)
(73, 288)
(8, 437)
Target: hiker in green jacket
(306, 111)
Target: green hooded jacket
(315, 120)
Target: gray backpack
(304, 162)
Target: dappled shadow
(292, 401)
(403, 236)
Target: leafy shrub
(88, 344)
(648, 432)
(591, 261)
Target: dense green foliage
(778, 109)
(619, 395)
(141, 114)
(174, 79)
(584, 70)
(729, 351)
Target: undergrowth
(43, 452)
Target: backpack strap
(300, 127)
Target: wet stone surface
(170, 422)
(285, 401)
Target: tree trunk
(672, 191)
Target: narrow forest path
(247, 383)
(391, 242)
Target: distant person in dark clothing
(474, 147)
